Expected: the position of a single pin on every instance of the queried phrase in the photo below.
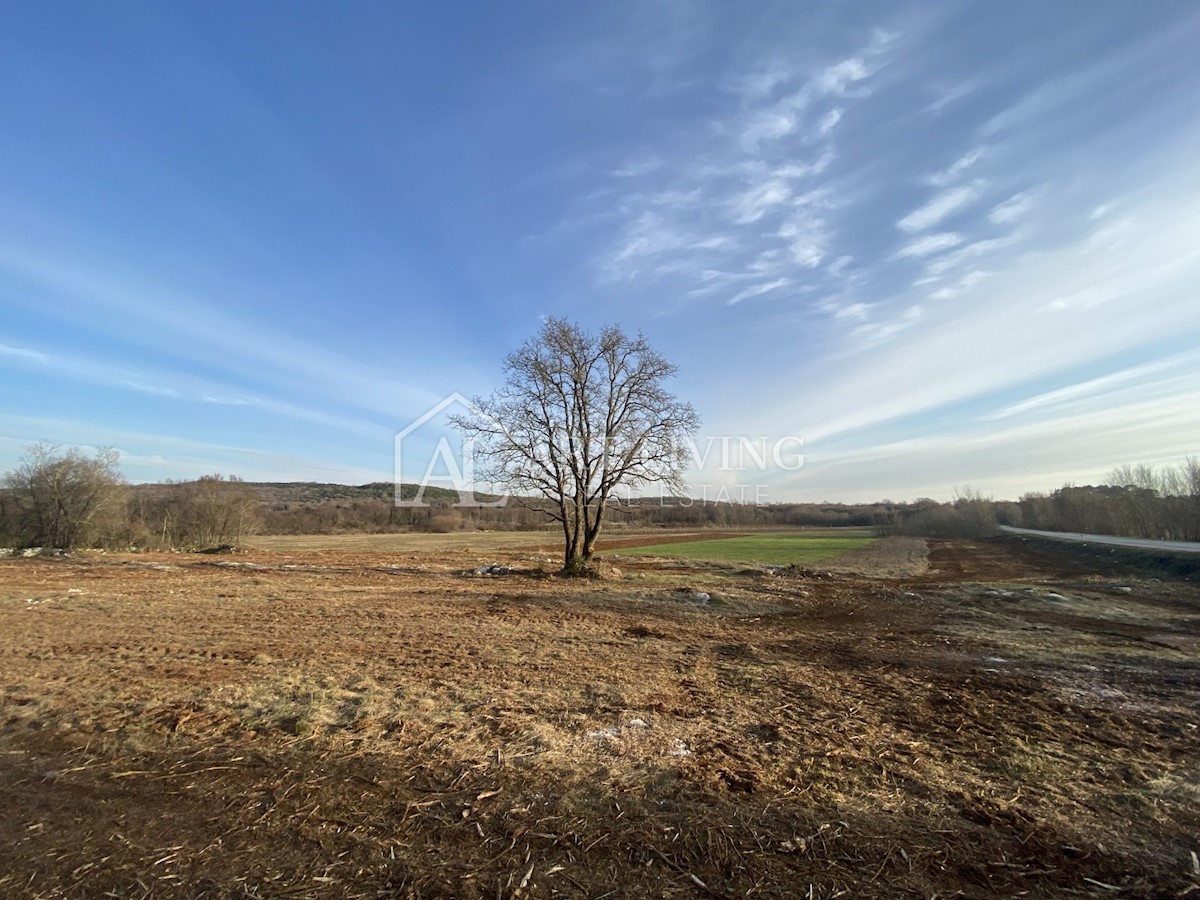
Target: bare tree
(977, 511)
(1190, 476)
(63, 497)
(579, 416)
(213, 510)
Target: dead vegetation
(1006, 722)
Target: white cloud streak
(940, 207)
(154, 457)
(929, 244)
(951, 173)
(1012, 210)
(758, 290)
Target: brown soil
(1009, 722)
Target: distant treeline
(60, 498)
(324, 509)
(66, 499)
(1134, 501)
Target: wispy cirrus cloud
(275, 270)
(1099, 387)
(140, 379)
(103, 294)
(758, 290)
(786, 115)
(928, 244)
(759, 200)
(1014, 244)
(147, 456)
(952, 94)
(1133, 288)
(951, 173)
(1012, 210)
(940, 207)
(968, 252)
(25, 354)
(829, 121)
(762, 206)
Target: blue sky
(947, 244)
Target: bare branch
(579, 416)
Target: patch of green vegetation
(767, 549)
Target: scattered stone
(793, 845)
(679, 747)
(701, 597)
(1122, 589)
(912, 595)
(492, 570)
(1056, 598)
(604, 570)
(30, 552)
(611, 734)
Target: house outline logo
(460, 465)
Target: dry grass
(412, 542)
(889, 557)
(332, 724)
(549, 540)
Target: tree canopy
(579, 416)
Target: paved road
(1135, 543)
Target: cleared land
(775, 549)
(1011, 721)
(474, 541)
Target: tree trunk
(593, 532)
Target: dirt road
(1108, 540)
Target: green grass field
(769, 549)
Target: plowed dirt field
(1010, 721)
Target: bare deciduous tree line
(1135, 501)
(67, 499)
